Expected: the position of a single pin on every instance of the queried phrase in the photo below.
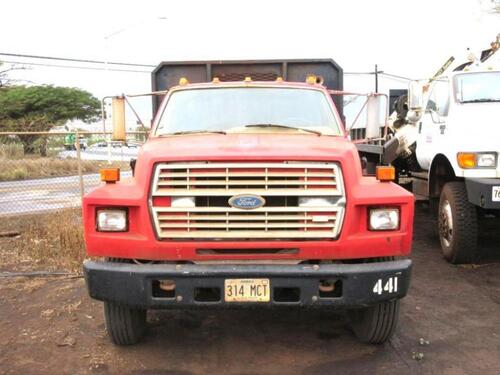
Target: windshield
(478, 87)
(235, 108)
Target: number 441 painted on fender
(391, 286)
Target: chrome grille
(277, 182)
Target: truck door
(432, 125)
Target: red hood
(246, 146)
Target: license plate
(247, 290)
(495, 196)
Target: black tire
(125, 325)
(375, 324)
(458, 224)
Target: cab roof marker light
(183, 81)
(311, 79)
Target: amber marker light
(183, 81)
(466, 160)
(110, 175)
(385, 173)
(311, 79)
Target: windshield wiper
(283, 127)
(195, 132)
(484, 100)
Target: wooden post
(79, 163)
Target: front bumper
(356, 285)
(480, 192)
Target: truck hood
(247, 146)
(475, 126)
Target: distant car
(103, 144)
(117, 144)
(133, 144)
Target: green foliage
(45, 106)
(39, 108)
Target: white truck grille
(281, 184)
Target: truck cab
(457, 149)
(248, 193)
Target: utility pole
(376, 78)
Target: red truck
(249, 193)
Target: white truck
(444, 140)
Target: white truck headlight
(316, 201)
(487, 160)
(384, 219)
(112, 220)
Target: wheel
(375, 324)
(125, 325)
(457, 223)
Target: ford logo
(246, 201)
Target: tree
(4, 74)
(40, 108)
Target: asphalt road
(51, 326)
(45, 194)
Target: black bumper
(480, 192)
(356, 285)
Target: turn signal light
(466, 160)
(385, 173)
(110, 175)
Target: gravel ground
(449, 324)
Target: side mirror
(118, 115)
(415, 96)
(375, 115)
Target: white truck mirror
(415, 101)
(415, 96)
(375, 115)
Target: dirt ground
(50, 326)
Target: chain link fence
(45, 171)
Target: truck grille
(280, 183)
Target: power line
(74, 60)
(78, 67)
(380, 73)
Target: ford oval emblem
(246, 201)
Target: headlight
(469, 160)
(487, 160)
(384, 219)
(112, 220)
(316, 201)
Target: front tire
(457, 223)
(125, 325)
(375, 324)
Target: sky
(407, 38)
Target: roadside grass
(39, 167)
(50, 241)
